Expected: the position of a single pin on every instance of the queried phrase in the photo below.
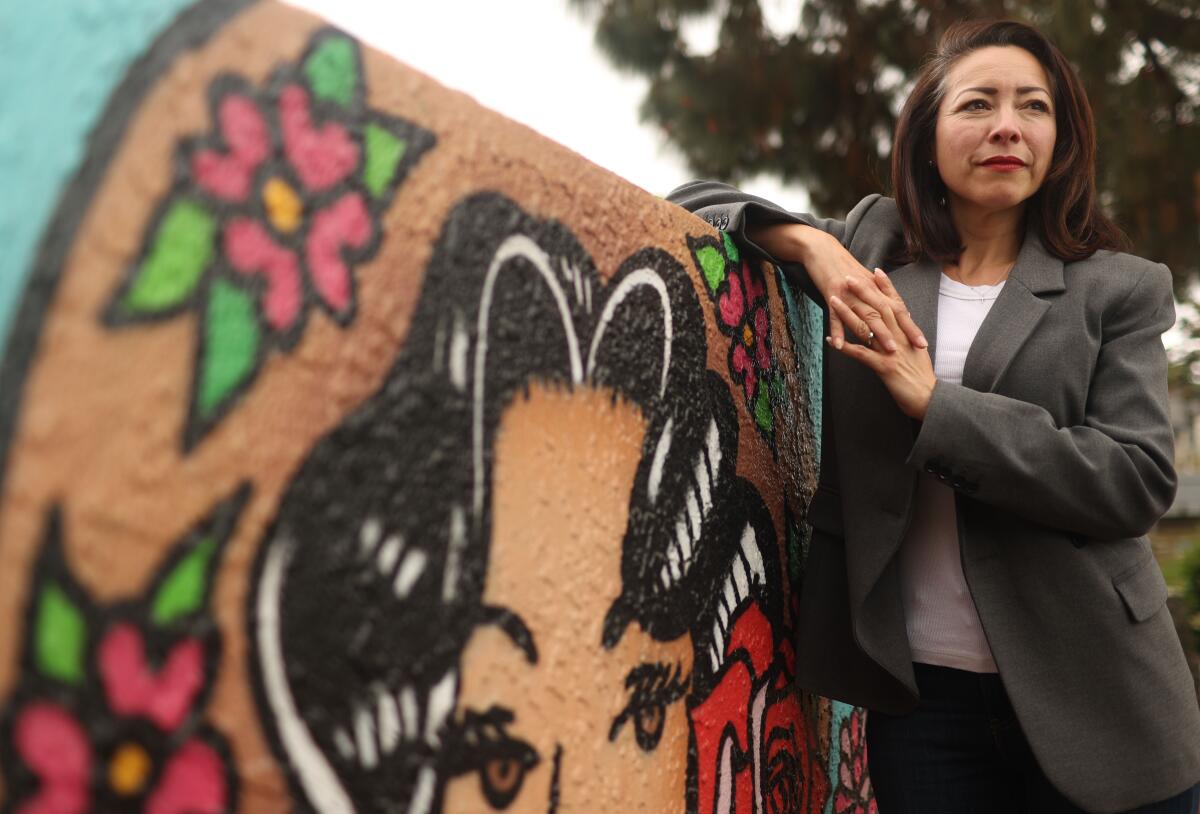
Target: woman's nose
(1006, 128)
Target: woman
(997, 444)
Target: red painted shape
(251, 250)
(192, 782)
(754, 713)
(229, 175)
(321, 156)
(54, 747)
(732, 304)
(134, 689)
(345, 223)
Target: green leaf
(60, 636)
(332, 70)
(712, 264)
(730, 248)
(181, 251)
(230, 347)
(762, 409)
(384, 151)
(183, 590)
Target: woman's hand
(907, 372)
(829, 266)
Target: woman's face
(997, 102)
(560, 510)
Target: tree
(817, 106)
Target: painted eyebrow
(993, 91)
(512, 626)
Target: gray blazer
(1058, 445)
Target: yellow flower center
(748, 336)
(284, 206)
(129, 769)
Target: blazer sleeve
(733, 211)
(1110, 477)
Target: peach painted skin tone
(555, 562)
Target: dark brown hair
(1065, 210)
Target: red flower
(743, 310)
(55, 748)
(753, 752)
(305, 228)
(132, 689)
(854, 784)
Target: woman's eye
(1041, 106)
(971, 104)
(648, 726)
(501, 779)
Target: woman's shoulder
(1120, 279)
(875, 218)
(1120, 269)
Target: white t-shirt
(939, 614)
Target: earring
(942, 201)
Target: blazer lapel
(917, 285)
(1014, 315)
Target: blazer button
(971, 488)
(958, 482)
(931, 468)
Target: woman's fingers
(875, 308)
(860, 353)
(903, 317)
(869, 328)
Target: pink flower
(853, 794)
(282, 230)
(743, 310)
(55, 748)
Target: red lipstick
(1004, 163)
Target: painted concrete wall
(361, 450)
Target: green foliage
(817, 105)
(1189, 568)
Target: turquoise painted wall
(59, 61)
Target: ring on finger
(870, 338)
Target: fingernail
(924, 341)
(833, 299)
(891, 345)
(838, 343)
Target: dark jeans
(962, 752)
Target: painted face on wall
(997, 103)
(600, 721)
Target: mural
(268, 216)
(349, 464)
(108, 711)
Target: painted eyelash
(652, 685)
(483, 736)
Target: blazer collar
(1011, 319)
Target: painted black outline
(420, 478)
